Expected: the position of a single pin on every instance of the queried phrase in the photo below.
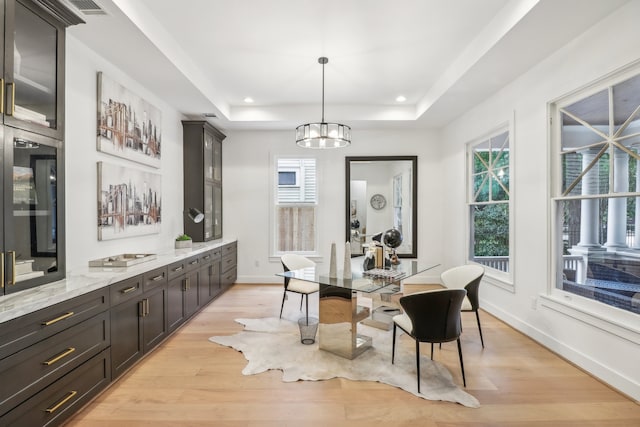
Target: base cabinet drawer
(228, 278)
(22, 332)
(30, 370)
(56, 403)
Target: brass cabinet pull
(146, 305)
(195, 261)
(160, 277)
(60, 356)
(1, 96)
(186, 284)
(57, 406)
(13, 268)
(12, 109)
(57, 319)
(129, 289)
(177, 268)
(207, 257)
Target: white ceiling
(444, 56)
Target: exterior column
(589, 207)
(617, 218)
(589, 219)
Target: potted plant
(183, 241)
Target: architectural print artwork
(128, 126)
(129, 202)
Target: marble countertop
(90, 279)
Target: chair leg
(307, 307)
(464, 381)
(479, 328)
(301, 299)
(393, 344)
(284, 296)
(432, 350)
(418, 363)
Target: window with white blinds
(295, 205)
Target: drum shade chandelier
(323, 135)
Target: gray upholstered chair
(433, 317)
(304, 288)
(466, 277)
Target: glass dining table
(339, 311)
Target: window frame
(275, 254)
(595, 313)
(498, 278)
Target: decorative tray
(122, 260)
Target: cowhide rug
(273, 343)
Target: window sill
(499, 280)
(315, 257)
(608, 319)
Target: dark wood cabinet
(54, 360)
(31, 137)
(191, 293)
(202, 166)
(155, 326)
(126, 322)
(228, 265)
(175, 307)
(183, 293)
(139, 320)
(59, 401)
(34, 72)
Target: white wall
(613, 356)
(81, 160)
(247, 158)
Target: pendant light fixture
(323, 135)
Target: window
(489, 201)
(295, 207)
(595, 135)
(288, 178)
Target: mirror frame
(414, 196)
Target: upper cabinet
(33, 80)
(202, 154)
(32, 250)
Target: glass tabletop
(376, 280)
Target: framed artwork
(397, 191)
(128, 126)
(129, 202)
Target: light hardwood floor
(189, 381)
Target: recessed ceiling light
(248, 100)
(400, 98)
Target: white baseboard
(260, 279)
(593, 367)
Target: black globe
(392, 238)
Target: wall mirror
(381, 193)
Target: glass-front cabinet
(202, 156)
(33, 237)
(31, 141)
(32, 89)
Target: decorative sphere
(392, 238)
